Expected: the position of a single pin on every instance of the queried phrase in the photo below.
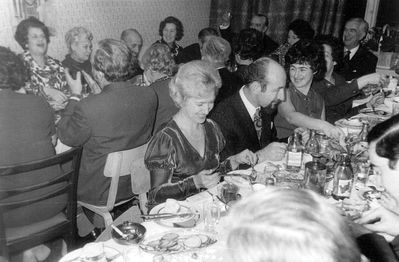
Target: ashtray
(134, 233)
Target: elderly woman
(303, 106)
(338, 95)
(297, 30)
(26, 134)
(298, 221)
(158, 64)
(183, 156)
(216, 50)
(46, 75)
(79, 43)
(171, 30)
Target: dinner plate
(177, 242)
(111, 254)
(170, 222)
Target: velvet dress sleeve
(160, 159)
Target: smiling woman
(46, 75)
(183, 156)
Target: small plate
(177, 242)
(170, 222)
(110, 253)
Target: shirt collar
(352, 51)
(248, 105)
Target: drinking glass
(362, 174)
(315, 176)
(229, 192)
(211, 213)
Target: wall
(107, 19)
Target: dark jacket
(121, 117)
(362, 63)
(238, 129)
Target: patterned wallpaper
(108, 18)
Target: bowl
(135, 233)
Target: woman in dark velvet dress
(183, 156)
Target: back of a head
(249, 44)
(307, 52)
(208, 31)
(257, 71)
(216, 50)
(302, 29)
(300, 222)
(13, 73)
(113, 58)
(158, 58)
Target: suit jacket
(362, 63)
(26, 127)
(189, 53)
(121, 117)
(238, 128)
(231, 83)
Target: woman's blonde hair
(280, 224)
(194, 79)
(159, 58)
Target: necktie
(258, 123)
(347, 56)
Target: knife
(165, 216)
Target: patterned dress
(51, 75)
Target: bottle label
(294, 158)
(344, 188)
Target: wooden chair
(123, 163)
(62, 225)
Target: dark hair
(13, 73)
(21, 34)
(335, 44)
(208, 31)
(176, 22)
(113, 58)
(307, 52)
(386, 134)
(263, 15)
(302, 29)
(249, 44)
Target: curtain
(325, 16)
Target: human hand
(56, 95)
(372, 79)
(332, 131)
(357, 229)
(206, 179)
(304, 132)
(376, 100)
(381, 220)
(244, 157)
(74, 84)
(389, 202)
(274, 152)
(94, 87)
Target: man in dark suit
(193, 52)
(358, 60)
(260, 23)
(121, 117)
(237, 115)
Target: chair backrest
(67, 179)
(127, 162)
